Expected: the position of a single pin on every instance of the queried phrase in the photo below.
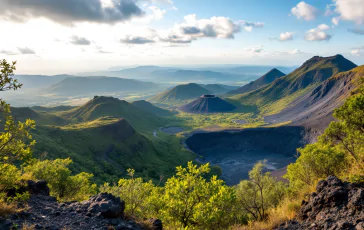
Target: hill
(266, 79)
(150, 108)
(112, 107)
(208, 104)
(24, 113)
(180, 93)
(107, 147)
(52, 109)
(218, 88)
(276, 96)
(315, 108)
(94, 85)
(39, 81)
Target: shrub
(62, 185)
(316, 161)
(134, 192)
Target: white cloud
(215, 27)
(304, 11)
(351, 10)
(296, 51)
(157, 13)
(335, 20)
(286, 36)
(255, 49)
(248, 28)
(318, 34)
(323, 27)
(357, 52)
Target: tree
(192, 201)
(260, 193)
(15, 141)
(316, 161)
(347, 132)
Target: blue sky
(179, 32)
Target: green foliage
(348, 132)
(15, 141)
(9, 177)
(316, 161)
(192, 201)
(62, 184)
(259, 194)
(134, 192)
(7, 80)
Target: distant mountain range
(211, 75)
(96, 85)
(260, 82)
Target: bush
(134, 192)
(192, 201)
(62, 185)
(315, 162)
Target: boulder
(334, 205)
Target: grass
(287, 210)
(7, 208)
(27, 226)
(224, 120)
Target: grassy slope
(180, 94)
(100, 148)
(98, 141)
(277, 95)
(112, 107)
(150, 108)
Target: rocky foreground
(335, 205)
(103, 211)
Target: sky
(69, 36)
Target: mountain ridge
(260, 82)
(277, 95)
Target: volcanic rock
(334, 205)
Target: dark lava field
(237, 152)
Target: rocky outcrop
(335, 205)
(103, 211)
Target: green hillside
(180, 93)
(55, 109)
(260, 82)
(112, 107)
(277, 95)
(41, 118)
(150, 108)
(107, 147)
